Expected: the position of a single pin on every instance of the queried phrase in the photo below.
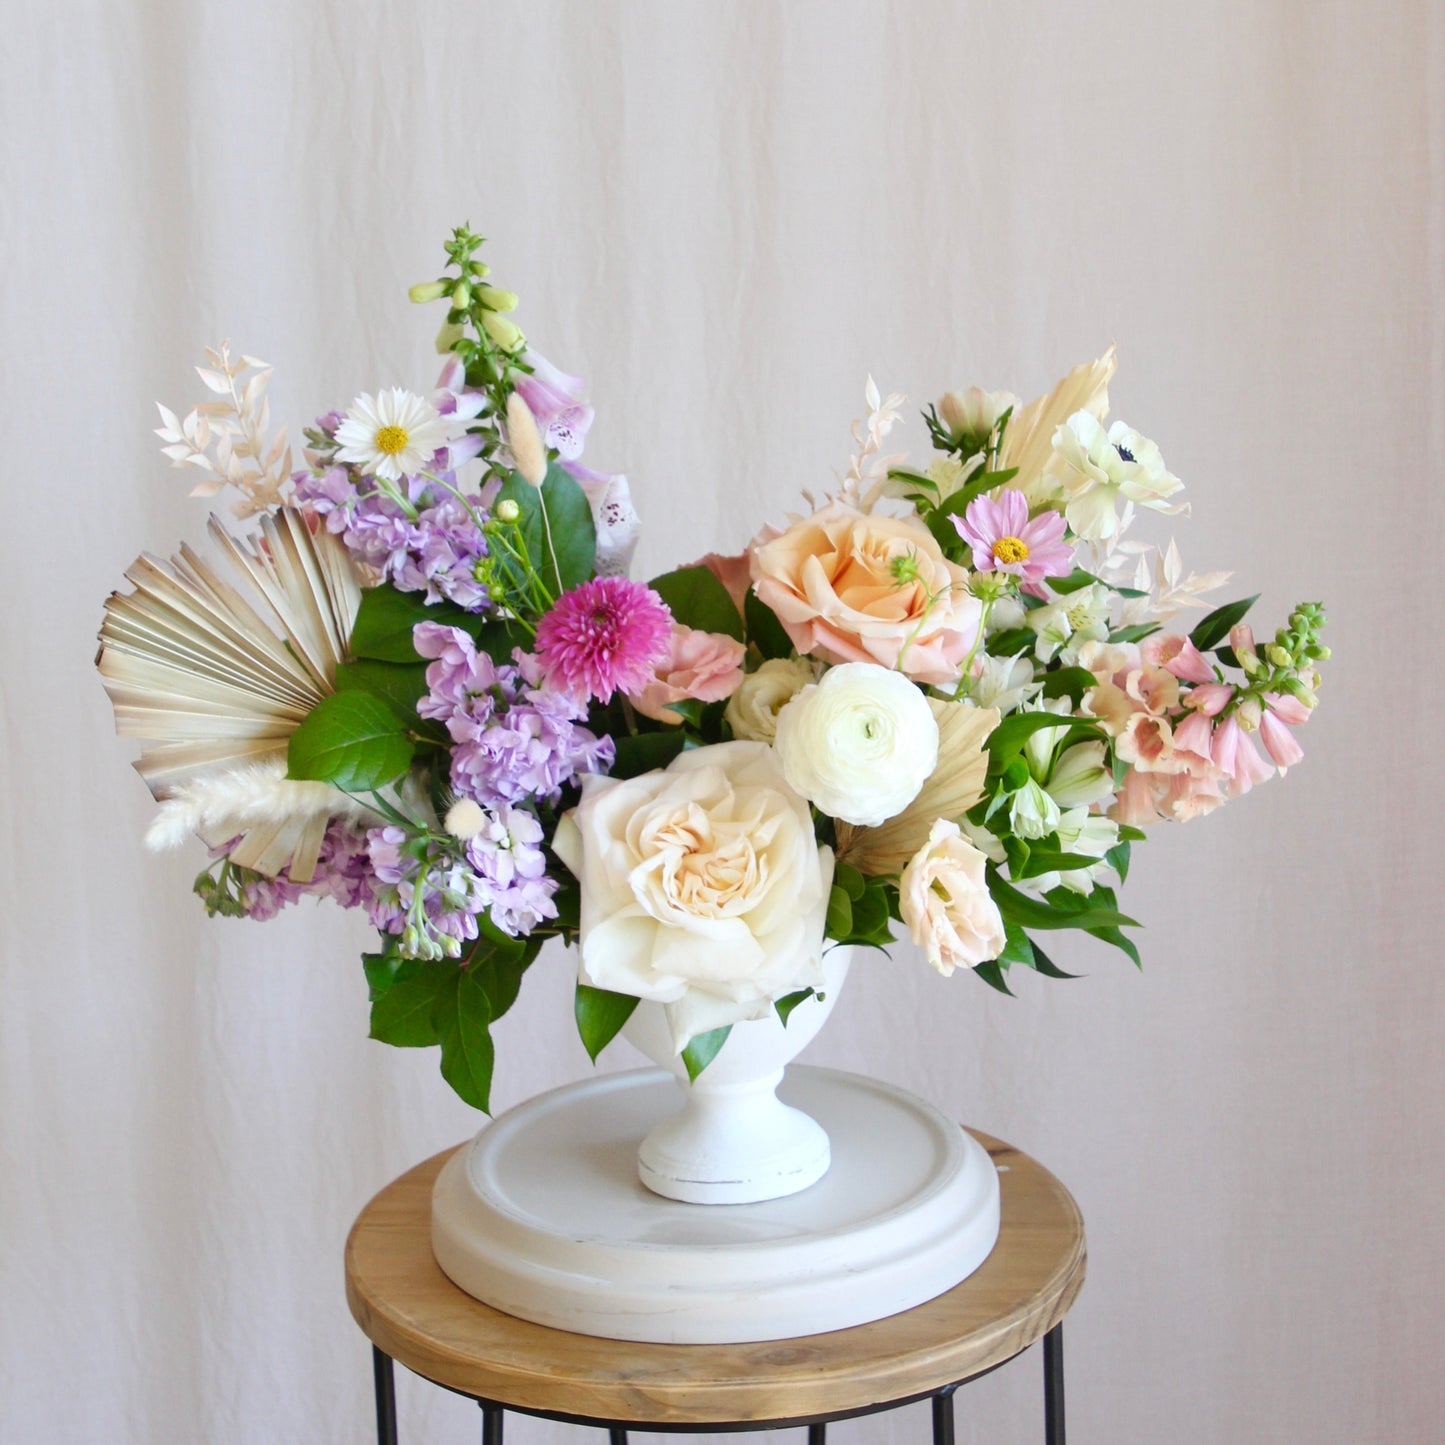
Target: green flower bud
(502, 331)
(428, 291)
(448, 337)
(1278, 655)
(497, 299)
(508, 510)
(461, 296)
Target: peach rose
(850, 587)
(703, 665)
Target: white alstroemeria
(392, 435)
(1006, 615)
(1032, 814)
(1094, 469)
(1006, 683)
(1088, 835)
(986, 842)
(1039, 746)
(1080, 776)
(1063, 627)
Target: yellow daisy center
(1010, 549)
(393, 439)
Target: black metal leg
(1054, 1386)
(616, 1435)
(818, 1434)
(491, 1423)
(385, 1385)
(943, 1416)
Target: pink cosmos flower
(707, 666)
(603, 637)
(1003, 538)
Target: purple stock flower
(513, 869)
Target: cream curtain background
(726, 216)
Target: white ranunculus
(752, 711)
(703, 887)
(944, 898)
(859, 743)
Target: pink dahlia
(603, 637)
(1003, 538)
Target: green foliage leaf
(1215, 626)
(765, 632)
(1137, 633)
(1120, 941)
(789, 1002)
(353, 741)
(992, 974)
(1011, 642)
(573, 539)
(1118, 859)
(463, 1017)
(500, 971)
(698, 600)
(1074, 582)
(1007, 740)
(398, 684)
(403, 1014)
(957, 503)
(849, 879)
(1046, 966)
(839, 923)
(1050, 860)
(642, 752)
(702, 1050)
(497, 637)
(600, 1015)
(1070, 682)
(385, 969)
(1029, 912)
(1017, 948)
(386, 617)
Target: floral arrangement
(948, 697)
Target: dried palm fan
(1029, 438)
(951, 789)
(217, 678)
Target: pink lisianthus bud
(1279, 742)
(1211, 699)
(1179, 655)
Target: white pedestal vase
(733, 1141)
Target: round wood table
(411, 1312)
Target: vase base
(544, 1217)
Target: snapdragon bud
(426, 291)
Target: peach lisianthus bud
(525, 441)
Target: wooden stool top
(409, 1309)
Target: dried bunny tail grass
(280, 821)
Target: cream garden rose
(859, 743)
(703, 887)
(752, 711)
(853, 587)
(945, 902)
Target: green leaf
(1137, 633)
(839, 924)
(1015, 640)
(500, 973)
(849, 879)
(1020, 908)
(1120, 770)
(1017, 948)
(992, 974)
(1074, 582)
(464, 1014)
(1046, 966)
(1216, 625)
(1118, 859)
(702, 1050)
(698, 600)
(403, 1015)
(1072, 682)
(642, 752)
(765, 632)
(497, 637)
(353, 741)
(600, 1015)
(385, 969)
(1130, 834)
(1050, 860)
(386, 617)
(789, 1002)
(398, 684)
(870, 918)
(957, 503)
(1007, 740)
(1120, 941)
(566, 533)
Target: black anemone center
(1125, 455)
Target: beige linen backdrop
(726, 216)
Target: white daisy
(393, 435)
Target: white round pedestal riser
(543, 1217)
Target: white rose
(703, 887)
(752, 711)
(859, 743)
(945, 902)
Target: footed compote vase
(732, 1140)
